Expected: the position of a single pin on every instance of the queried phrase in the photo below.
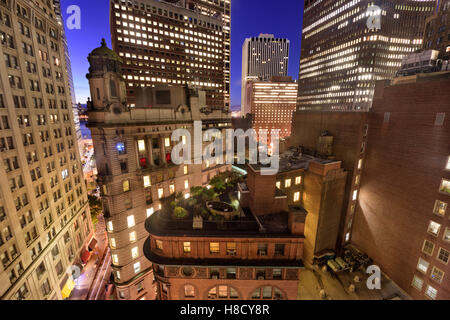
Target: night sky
(249, 18)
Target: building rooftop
(293, 159)
(163, 223)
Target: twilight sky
(249, 18)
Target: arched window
(267, 293)
(223, 292)
(189, 291)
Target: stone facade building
(133, 149)
(45, 223)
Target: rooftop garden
(216, 202)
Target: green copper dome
(103, 50)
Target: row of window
(231, 248)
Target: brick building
(255, 256)
(133, 155)
(349, 139)
(402, 219)
(396, 198)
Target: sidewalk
(87, 277)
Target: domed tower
(105, 80)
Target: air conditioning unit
(263, 253)
(261, 278)
(215, 276)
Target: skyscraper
(271, 104)
(45, 222)
(263, 57)
(177, 42)
(437, 30)
(348, 45)
(133, 149)
(59, 17)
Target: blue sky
(249, 18)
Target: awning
(85, 256)
(92, 244)
(68, 287)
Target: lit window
(172, 188)
(150, 211)
(440, 208)
(434, 228)
(357, 178)
(137, 267)
(118, 275)
(296, 196)
(167, 142)
(422, 265)
(347, 236)
(417, 282)
(159, 244)
(187, 195)
(115, 259)
(134, 252)
(133, 236)
(160, 193)
(110, 226)
(141, 145)
(189, 291)
(298, 180)
(183, 139)
(360, 164)
(428, 247)
(147, 182)
(130, 221)
(126, 185)
(437, 275)
(231, 248)
(431, 292)
(447, 167)
(185, 169)
(443, 255)
(445, 186)
(112, 243)
(278, 184)
(355, 195)
(186, 247)
(214, 247)
(186, 184)
(120, 147)
(447, 234)
(287, 183)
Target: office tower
(45, 221)
(344, 52)
(76, 119)
(184, 42)
(252, 249)
(437, 30)
(272, 104)
(133, 149)
(263, 57)
(402, 216)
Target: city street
(95, 274)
